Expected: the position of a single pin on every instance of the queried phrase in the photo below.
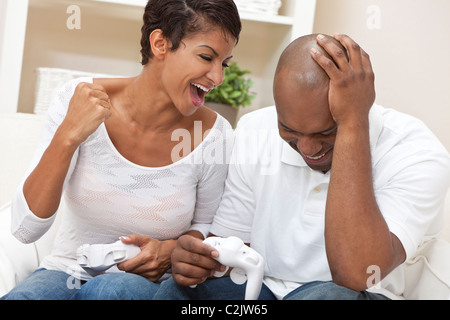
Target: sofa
(428, 273)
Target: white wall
(409, 45)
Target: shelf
(245, 16)
(267, 18)
(137, 3)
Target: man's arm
(356, 234)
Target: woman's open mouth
(198, 93)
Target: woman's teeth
(201, 87)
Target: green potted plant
(233, 93)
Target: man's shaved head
(297, 59)
(300, 90)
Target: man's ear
(159, 44)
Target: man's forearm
(356, 234)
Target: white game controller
(97, 258)
(247, 264)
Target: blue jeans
(215, 289)
(225, 289)
(46, 284)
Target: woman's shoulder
(60, 101)
(113, 85)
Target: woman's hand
(154, 259)
(89, 107)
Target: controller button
(118, 254)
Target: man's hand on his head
(352, 89)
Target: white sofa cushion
(19, 134)
(427, 274)
(446, 232)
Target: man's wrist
(353, 124)
(195, 234)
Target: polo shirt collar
(292, 157)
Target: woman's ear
(159, 44)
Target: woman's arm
(88, 108)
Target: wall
(409, 45)
(108, 41)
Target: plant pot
(225, 110)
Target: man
(355, 190)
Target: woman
(107, 151)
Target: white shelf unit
(13, 17)
(266, 18)
(109, 41)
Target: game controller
(247, 264)
(97, 258)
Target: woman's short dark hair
(180, 18)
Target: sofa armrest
(427, 274)
(17, 260)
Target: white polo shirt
(274, 201)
